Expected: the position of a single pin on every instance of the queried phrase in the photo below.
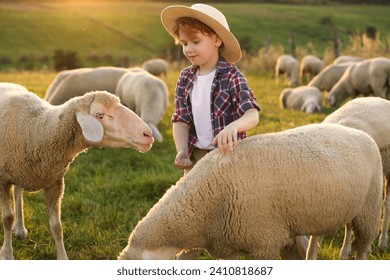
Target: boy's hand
(226, 139)
(182, 161)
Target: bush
(64, 60)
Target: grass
(109, 190)
(118, 28)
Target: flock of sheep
(347, 77)
(275, 193)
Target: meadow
(109, 190)
(122, 32)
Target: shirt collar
(222, 66)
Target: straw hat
(209, 16)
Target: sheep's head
(337, 95)
(110, 124)
(284, 96)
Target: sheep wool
(304, 98)
(38, 141)
(156, 66)
(307, 180)
(347, 58)
(288, 66)
(328, 77)
(309, 67)
(368, 77)
(76, 82)
(371, 115)
(146, 95)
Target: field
(109, 190)
(118, 32)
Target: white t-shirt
(201, 106)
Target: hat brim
(231, 50)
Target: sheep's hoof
(6, 254)
(21, 233)
(345, 253)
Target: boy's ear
(218, 41)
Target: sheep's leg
(383, 238)
(379, 87)
(6, 252)
(302, 245)
(19, 228)
(365, 228)
(53, 197)
(312, 248)
(345, 251)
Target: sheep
(304, 98)
(38, 141)
(371, 115)
(306, 180)
(370, 76)
(76, 82)
(310, 66)
(146, 95)
(59, 78)
(289, 67)
(156, 66)
(329, 76)
(347, 58)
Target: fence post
(336, 43)
(293, 44)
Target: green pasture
(133, 29)
(109, 190)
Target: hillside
(108, 32)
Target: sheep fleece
(308, 180)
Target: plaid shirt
(230, 99)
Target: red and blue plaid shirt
(230, 99)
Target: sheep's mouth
(143, 148)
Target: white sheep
(329, 76)
(157, 67)
(371, 115)
(58, 79)
(346, 59)
(38, 141)
(71, 83)
(304, 98)
(302, 181)
(367, 77)
(288, 66)
(146, 95)
(309, 67)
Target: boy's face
(201, 49)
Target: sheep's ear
(92, 129)
(156, 134)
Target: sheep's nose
(148, 134)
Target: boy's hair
(190, 26)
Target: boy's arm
(227, 138)
(180, 136)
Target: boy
(214, 105)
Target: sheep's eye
(99, 115)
